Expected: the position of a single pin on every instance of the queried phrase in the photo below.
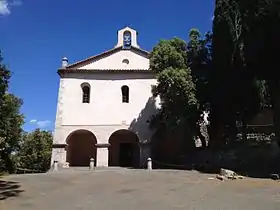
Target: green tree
(231, 100)
(4, 79)
(199, 51)
(177, 93)
(199, 61)
(168, 53)
(222, 78)
(11, 121)
(35, 151)
(239, 53)
(176, 89)
(262, 18)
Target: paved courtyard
(124, 189)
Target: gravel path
(135, 190)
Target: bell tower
(127, 37)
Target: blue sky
(36, 34)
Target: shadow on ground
(257, 160)
(9, 189)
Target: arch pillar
(58, 154)
(102, 154)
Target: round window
(125, 61)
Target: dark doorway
(80, 148)
(124, 150)
(126, 155)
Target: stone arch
(124, 149)
(81, 146)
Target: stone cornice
(100, 145)
(59, 146)
(62, 72)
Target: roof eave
(64, 71)
(108, 52)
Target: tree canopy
(181, 74)
(18, 148)
(35, 150)
(168, 53)
(234, 53)
(11, 121)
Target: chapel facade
(104, 104)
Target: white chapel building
(104, 103)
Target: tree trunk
(232, 130)
(215, 129)
(202, 139)
(8, 163)
(198, 133)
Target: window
(125, 94)
(125, 61)
(86, 92)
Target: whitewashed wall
(115, 61)
(106, 106)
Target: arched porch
(124, 149)
(80, 148)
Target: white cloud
(33, 121)
(40, 123)
(5, 6)
(43, 123)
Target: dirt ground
(124, 189)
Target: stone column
(59, 154)
(102, 154)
